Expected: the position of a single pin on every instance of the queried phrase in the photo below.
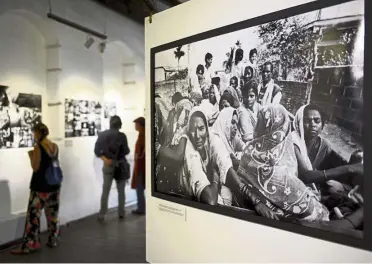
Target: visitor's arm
(176, 155)
(126, 149)
(35, 158)
(98, 148)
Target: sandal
(26, 249)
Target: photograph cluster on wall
(82, 118)
(19, 112)
(267, 120)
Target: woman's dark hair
(315, 107)
(200, 68)
(252, 85)
(228, 97)
(176, 98)
(239, 53)
(248, 68)
(141, 121)
(234, 78)
(41, 129)
(115, 122)
(5, 100)
(251, 52)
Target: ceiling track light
(102, 47)
(89, 42)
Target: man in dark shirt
(112, 147)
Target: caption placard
(176, 211)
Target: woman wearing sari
(207, 174)
(320, 165)
(226, 100)
(267, 165)
(234, 91)
(210, 104)
(161, 115)
(248, 112)
(226, 127)
(166, 172)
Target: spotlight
(102, 47)
(89, 42)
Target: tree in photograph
(179, 53)
(290, 43)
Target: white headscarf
(298, 135)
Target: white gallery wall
(40, 56)
(203, 236)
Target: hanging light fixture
(89, 42)
(102, 47)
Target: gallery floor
(90, 241)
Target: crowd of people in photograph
(228, 141)
(16, 120)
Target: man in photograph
(209, 72)
(253, 57)
(268, 91)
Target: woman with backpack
(44, 192)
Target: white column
(55, 104)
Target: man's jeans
(108, 177)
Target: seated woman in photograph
(207, 174)
(247, 76)
(169, 136)
(196, 98)
(234, 91)
(161, 113)
(269, 166)
(248, 111)
(226, 101)
(183, 109)
(210, 104)
(226, 127)
(170, 126)
(320, 165)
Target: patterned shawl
(269, 164)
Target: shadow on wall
(12, 226)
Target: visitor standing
(139, 172)
(44, 192)
(112, 147)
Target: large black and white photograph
(82, 118)
(267, 120)
(19, 112)
(108, 112)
